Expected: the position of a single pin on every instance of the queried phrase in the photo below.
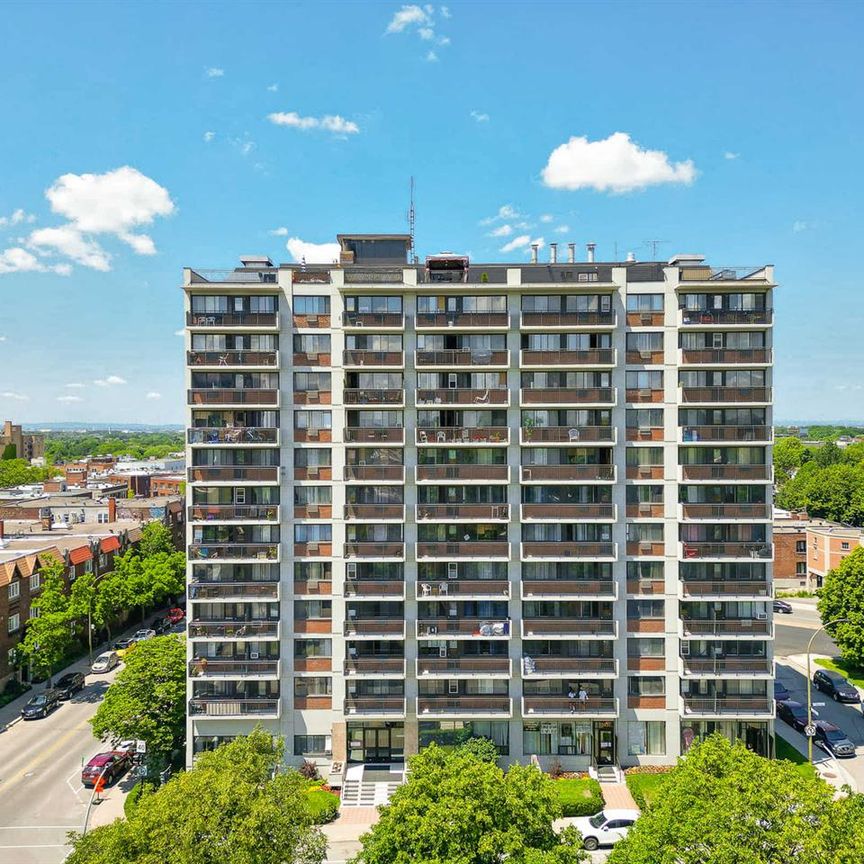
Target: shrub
(323, 804)
(579, 797)
(309, 770)
(482, 748)
(136, 793)
(555, 770)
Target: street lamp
(810, 685)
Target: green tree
(138, 589)
(166, 573)
(842, 596)
(458, 809)
(723, 804)
(83, 605)
(828, 454)
(10, 451)
(234, 807)
(147, 700)
(156, 538)
(788, 454)
(482, 748)
(112, 598)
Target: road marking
(43, 756)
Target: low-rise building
(790, 549)
(827, 546)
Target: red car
(176, 615)
(114, 764)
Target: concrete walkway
(617, 796)
(343, 833)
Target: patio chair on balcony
(441, 437)
(482, 400)
(573, 434)
(223, 359)
(424, 438)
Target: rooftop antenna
(654, 244)
(411, 223)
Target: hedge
(579, 797)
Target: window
(313, 686)
(311, 305)
(14, 590)
(651, 647)
(14, 622)
(103, 562)
(102, 518)
(844, 546)
(311, 381)
(88, 565)
(801, 546)
(645, 303)
(642, 609)
(312, 745)
(646, 685)
(800, 568)
(35, 582)
(647, 738)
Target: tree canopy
(234, 807)
(69, 446)
(842, 596)
(15, 472)
(457, 808)
(830, 485)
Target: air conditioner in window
(453, 688)
(311, 434)
(312, 471)
(645, 470)
(645, 318)
(351, 570)
(352, 613)
(254, 655)
(442, 652)
(452, 570)
(644, 393)
(526, 473)
(644, 508)
(761, 616)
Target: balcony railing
(374, 706)
(645, 358)
(313, 472)
(567, 395)
(708, 317)
(533, 628)
(313, 397)
(313, 510)
(722, 356)
(724, 705)
(447, 512)
(462, 320)
(375, 472)
(705, 395)
(319, 435)
(726, 472)
(374, 627)
(473, 665)
(386, 320)
(462, 357)
(233, 551)
(494, 588)
(637, 395)
(561, 665)
(484, 628)
(593, 589)
(736, 434)
(233, 435)
(725, 589)
(375, 511)
(481, 549)
(464, 471)
(645, 319)
(566, 434)
(536, 473)
(460, 396)
(207, 668)
(310, 277)
(243, 630)
(646, 587)
(645, 433)
(356, 666)
(456, 705)
(727, 666)
(233, 590)
(365, 396)
(586, 357)
(374, 588)
(562, 705)
(226, 396)
(566, 511)
(726, 511)
(463, 435)
(374, 550)
(645, 510)
(568, 319)
(234, 473)
(315, 587)
(232, 319)
(555, 549)
(355, 357)
(313, 322)
(308, 358)
(214, 706)
(726, 627)
(232, 358)
(313, 549)
(645, 547)
(356, 434)
(750, 549)
(233, 513)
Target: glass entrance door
(604, 743)
(376, 745)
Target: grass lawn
(784, 750)
(645, 788)
(579, 797)
(323, 804)
(854, 673)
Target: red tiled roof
(80, 555)
(110, 544)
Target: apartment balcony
(364, 434)
(725, 395)
(313, 550)
(564, 359)
(726, 706)
(450, 435)
(356, 359)
(726, 590)
(251, 552)
(374, 628)
(228, 359)
(645, 358)
(567, 434)
(462, 321)
(722, 551)
(645, 433)
(565, 320)
(569, 628)
(726, 667)
(567, 396)
(374, 706)
(364, 396)
(233, 474)
(726, 318)
(563, 512)
(233, 513)
(463, 471)
(313, 626)
(646, 664)
(640, 702)
(463, 512)
(463, 667)
(375, 512)
(646, 625)
(595, 707)
(251, 631)
(645, 319)
(731, 434)
(567, 472)
(375, 667)
(311, 322)
(369, 589)
(256, 670)
(313, 587)
(376, 473)
(729, 471)
(315, 436)
(725, 511)
(569, 589)
(233, 591)
(644, 472)
(313, 664)
(376, 320)
(306, 358)
(645, 510)
(462, 396)
(313, 472)
(725, 357)
(226, 396)
(637, 548)
(646, 587)
(463, 628)
(462, 706)
(639, 396)
(461, 358)
(727, 627)
(313, 397)
(374, 551)
(469, 550)
(240, 320)
(232, 435)
(555, 666)
(219, 706)
(463, 589)
(313, 511)
(312, 703)
(558, 550)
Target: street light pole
(810, 684)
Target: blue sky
(317, 115)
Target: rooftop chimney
(553, 253)
(591, 247)
(535, 248)
(571, 253)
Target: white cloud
(153, 395)
(562, 229)
(109, 381)
(408, 17)
(313, 253)
(431, 57)
(506, 211)
(76, 385)
(443, 41)
(209, 136)
(426, 33)
(480, 117)
(730, 156)
(329, 122)
(17, 397)
(214, 72)
(615, 164)
(420, 20)
(17, 218)
(18, 260)
(445, 12)
(273, 88)
(547, 217)
(244, 145)
(2, 338)
(523, 241)
(282, 231)
(69, 399)
(70, 243)
(798, 226)
(501, 231)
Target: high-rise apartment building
(530, 502)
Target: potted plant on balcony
(528, 428)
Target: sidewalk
(617, 796)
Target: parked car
(793, 713)
(41, 705)
(833, 739)
(69, 684)
(105, 662)
(161, 626)
(176, 615)
(144, 634)
(123, 646)
(781, 694)
(836, 686)
(605, 828)
(783, 607)
(114, 764)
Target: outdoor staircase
(608, 774)
(357, 792)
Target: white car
(606, 828)
(141, 635)
(105, 662)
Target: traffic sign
(810, 730)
